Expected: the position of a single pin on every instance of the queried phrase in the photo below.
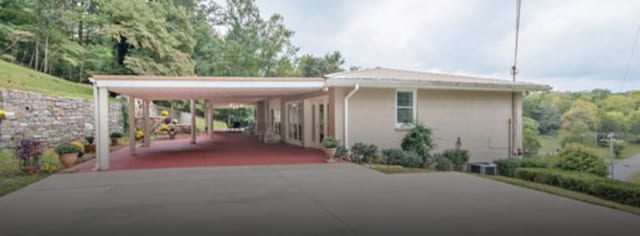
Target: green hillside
(17, 77)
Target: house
(369, 106)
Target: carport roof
(219, 89)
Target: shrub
(341, 152)
(507, 167)
(329, 142)
(402, 158)
(618, 147)
(419, 140)
(89, 139)
(66, 148)
(442, 163)
(29, 151)
(458, 158)
(576, 157)
(50, 162)
(365, 152)
(116, 135)
(613, 190)
(9, 165)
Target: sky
(570, 45)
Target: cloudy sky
(571, 45)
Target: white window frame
(414, 104)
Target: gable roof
(384, 77)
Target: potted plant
(29, 151)
(90, 147)
(80, 146)
(330, 146)
(68, 154)
(114, 138)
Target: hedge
(507, 167)
(613, 190)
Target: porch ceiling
(217, 89)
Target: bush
(116, 135)
(66, 148)
(341, 152)
(365, 152)
(50, 162)
(613, 190)
(329, 142)
(576, 157)
(618, 147)
(443, 164)
(458, 158)
(402, 158)
(419, 140)
(9, 165)
(29, 152)
(507, 167)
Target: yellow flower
(164, 113)
(3, 114)
(78, 144)
(139, 135)
(164, 128)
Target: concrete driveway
(324, 199)
(626, 168)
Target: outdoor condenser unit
(484, 168)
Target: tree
(581, 111)
(613, 121)
(619, 103)
(311, 66)
(530, 143)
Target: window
(405, 107)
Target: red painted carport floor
(223, 149)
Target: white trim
(414, 104)
(288, 125)
(207, 84)
(437, 85)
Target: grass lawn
(564, 193)
(217, 125)
(20, 78)
(8, 185)
(551, 143)
(635, 178)
(387, 169)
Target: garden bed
(395, 169)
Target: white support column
(193, 122)
(209, 118)
(132, 125)
(147, 123)
(102, 129)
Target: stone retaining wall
(49, 119)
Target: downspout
(346, 114)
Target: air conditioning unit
(484, 168)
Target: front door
(318, 121)
(294, 123)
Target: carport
(215, 91)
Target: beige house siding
(479, 118)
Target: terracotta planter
(329, 153)
(68, 160)
(29, 170)
(114, 142)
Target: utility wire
(633, 49)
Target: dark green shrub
(618, 147)
(115, 135)
(365, 152)
(402, 158)
(443, 164)
(67, 149)
(418, 140)
(507, 167)
(458, 157)
(609, 189)
(341, 152)
(329, 142)
(576, 157)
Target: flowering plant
(139, 134)
(3, 114)
(29, 151)
(164, 113)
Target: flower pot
(114, 142)
(68, 160)
(329, 153)
(29, 170)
